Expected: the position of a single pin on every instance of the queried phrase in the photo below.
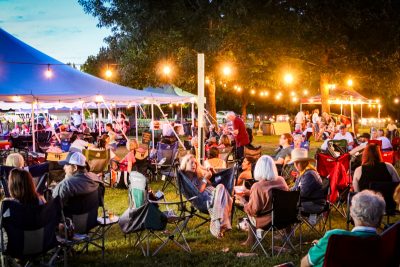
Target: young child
(125, 165)
(112, 136)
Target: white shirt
(315, 118)
(391, 127)
(300, 117)
(79, 144)
(77, 119)
(347, 136)
(385, 142)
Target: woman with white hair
(215, 200)
(367, 209)
(15, 160)
(266, 175)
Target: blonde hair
(131, 141)
(184, 162)
(15, 160)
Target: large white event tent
(30, 77)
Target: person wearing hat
(78, 180)
(344, 134)
(363, 140)
(309, 182)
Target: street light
(108, 73)
(166, 70)
(288, 78)
(350, 82)
(227, 70)
(396, 100)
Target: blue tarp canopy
(23, 79)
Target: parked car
(221, 116)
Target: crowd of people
(255, 181)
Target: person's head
(189, 163)
(74, 163)
(300, 158)
(371, 155)
(297, 127)
(343, 129)
(381, 133)
(194, 141)
(15, 160)
(265, 169)
(102, 141)
(212, 141)
(109, 127)
(286, 139)
(213, 153)
(224, 140)
(247, 163)
(230, 116)
(364, 137)
(21, 186)
(297, 139)
(84, 125)
(39, 127)
(367, 208)
(132, 144)
(316, 111)
(374, 134)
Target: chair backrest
(342, 143)
(39, 169)
(137, 190)
(285, 207)
(326, 163)
(224, 153)
(167, 151)
(30, 229)
(225, 177)
(188, 190)
(346, 251)
(388, 156)
(387, 190)
(4, 172)
(83, 209)
(42, 184)
(43, 137)
(376, 142)
(98, 160)
(390, 245)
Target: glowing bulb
(262, 94)
(99, 98)
(207, 81)
(295, 99)
(350, 82)
(288, 78)
(167, 70)
(396, 101)
(305, 92)
(108, 73)
(227, 70)
(292, 93)
(253, 92)
(170, 105)
(16, 98)
(48, 73)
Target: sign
(146, 138)
(280, 128)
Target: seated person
(283, 153)
(373, 169)
(343, 134)
(220, 209)
(15, 160)
(22, 188)
(213, 161)
(363, 142)
(212, 132)
(297, 140)
(308, 131)
(112, 143)
(125, 166)
(224, 142)
(312, 195)
(391, 130)
(78, 144)
(16, 130)
(297, 129)
(260, 198)
(212, 142)
(367, 209)
(386, 144)
(247, 169)
(84, 128)
(24, 129)
(78, 180)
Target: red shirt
(242, 137)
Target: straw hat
(300, 154)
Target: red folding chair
(387, 156)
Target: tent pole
(83, 113)
(341, 109)
(181, 113)
(200, 105)
(99, 118)
(136, 124)
(379, 116)
(152, 123)
(352, 117)
(193, 118)
(33, 128)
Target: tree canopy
(259, 39)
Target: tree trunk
(324, 87)
(210, 96)
(245, 102)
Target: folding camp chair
(31, 231)
(337, 170)
(289, 173)
(387, 190)
(4, 172)
(284, 213)
(340, 145)
(252, 152)
(98, 161)
(390, 245)
(145, 219)
(89, 228)
(42, 140)
(224, 153)
(165, 163)
(387, 155)
(349, 251)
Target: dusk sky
(58, 28)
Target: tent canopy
(338, 96)
(22, 79)
(172, 90)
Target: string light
(48, 73)
(288, 78)
(109, 73)
(305, 92)
(167, 70)
(16, 98)
(253, 91)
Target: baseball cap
(74, 158)
(342, 127)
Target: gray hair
(368, 207)
(15, 160)
(265, 169)
(230, 114)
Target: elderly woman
(373, 169)
(216, 200)
(312, 195)
(15, 160)
(260, 198)
(367, 208)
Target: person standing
(300, 118)
(315, 120)
(240, 134)
(77, 119)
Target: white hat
(74, 158)
(300, 154)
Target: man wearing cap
(78, 180)
(308, 182)
(363, 139)
(344, 134)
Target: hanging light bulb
(48, 73)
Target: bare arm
(305, 262)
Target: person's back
(386, 144)
(373, 173)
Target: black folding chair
(42, 140)
(31, 231)
(387, 190)
(4, 172)
(284, 213)
(165, 163)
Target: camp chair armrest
(172, 202)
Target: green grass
(206, 250)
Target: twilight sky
(58, 28)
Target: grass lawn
(206, 250)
